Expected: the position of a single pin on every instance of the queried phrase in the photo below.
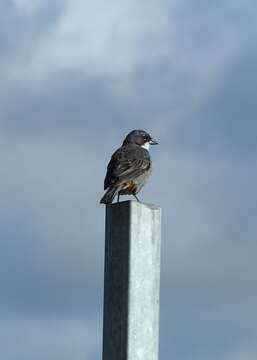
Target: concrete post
(132, 281)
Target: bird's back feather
(128, 162)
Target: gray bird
(129, 167)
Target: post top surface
(134, 202)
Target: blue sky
(76, 76)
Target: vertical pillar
(132, 281)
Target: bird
(129, 168)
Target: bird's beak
(153, 142)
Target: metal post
(132, 281)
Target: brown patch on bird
(131, 186)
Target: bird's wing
(127, 162)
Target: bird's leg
(136, 197)
(118, 197)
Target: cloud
(241, 354)
(109, 40)
(53, 200)
(101, 39)
(75, 338)
(29, 6)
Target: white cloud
(114, 40)
(100, 38)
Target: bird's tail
(109, 196)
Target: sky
(76, 77)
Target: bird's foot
(136, 197)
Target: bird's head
(141, 138)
